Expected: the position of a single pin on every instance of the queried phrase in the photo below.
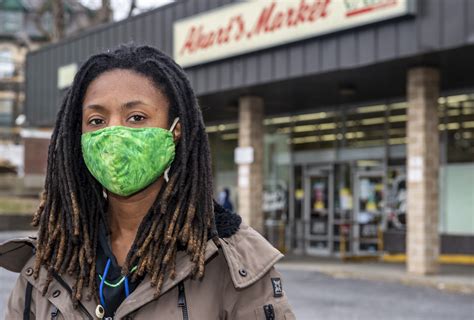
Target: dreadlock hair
(72, 202)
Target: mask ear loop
(175, 122)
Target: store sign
(66, 75)
(252, 25)
(274, 200)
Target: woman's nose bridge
(116, 119)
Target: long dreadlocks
(72, 202)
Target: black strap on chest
(27, 310)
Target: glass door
(369, 205)
(343, 209)
(319, 213)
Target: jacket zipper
(182, 301)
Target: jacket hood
(227, 223)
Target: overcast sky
(121, 7)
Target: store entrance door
(370, 198)
(319, 210)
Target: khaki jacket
(240, 282)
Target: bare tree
(58, 20)
(104, 14)
(61, 21)
(40, 13)
(133, 6)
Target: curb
(338, 272)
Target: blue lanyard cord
(101, 287)
(127, 290)
(102, 282)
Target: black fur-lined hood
(227, 223)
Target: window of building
(456, 125)
(7, 64)
(6, 112)
(10, 21)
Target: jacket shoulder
(249, 256)
(15, 253)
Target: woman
(127, 224)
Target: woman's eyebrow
(126, 105)
(131, 104)
(97, 107)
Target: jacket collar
(16, 252)
(248, 255)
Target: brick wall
(423, 166)
(36, 156)
(251, 135)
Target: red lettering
(189, 43)
(210, 39)
(318, 10)
(277, 21)
(241, 25)
(290, 20)
(301, 14)
(270, 19)
(223, 33)
(324, 10)
(221, 36)
(202, 39)
(263, 21)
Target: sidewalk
(453, 278)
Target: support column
(423, 166)
(251, 133)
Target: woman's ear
(177, 132)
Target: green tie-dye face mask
(126, 160)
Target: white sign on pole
(244, 181)
(252, 25)
(243, 155)
(415, 169)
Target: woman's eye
(136, 118)
(96, 122)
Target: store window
(364, 126)
(10, 21)
(276, 184)
(6, 112)
(312, 131)
(223, 140)
(456, 126)
(373, 125)
(7, 64)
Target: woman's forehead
(123, 86)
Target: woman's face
(123, 97)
